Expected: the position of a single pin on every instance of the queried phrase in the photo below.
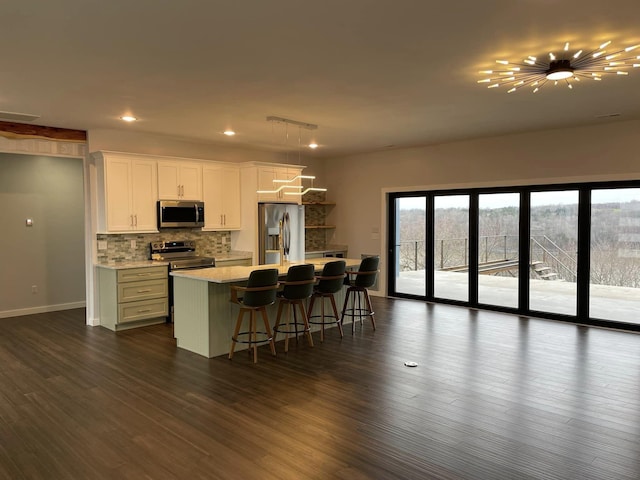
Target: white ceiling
(369, 73)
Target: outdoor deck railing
(454, 252)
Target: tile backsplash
(119, 245)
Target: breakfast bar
(203, 315)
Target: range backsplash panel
(119, 246)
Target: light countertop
(133, 264)
(241, 274)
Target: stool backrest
(332, 269)
(299, 273)
(369, 266)
(261, 278)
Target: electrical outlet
(133, 244)
(102, 244)
(34, 288)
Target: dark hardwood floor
(494, 396)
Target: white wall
(358, 183)
(50, 254)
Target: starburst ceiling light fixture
(285, 184)
(568, 66)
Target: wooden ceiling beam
(23, 131)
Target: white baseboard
(44, 309)
(93, 322)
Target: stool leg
(311, 304)
(310, 309)
(234, 338)
(287, 326)
(277, 324)
(368, 300)
(335, 313)
(346, 304)
(272, 344)
(322, 319)
(305, 321)
(295, 320)
(254, 335)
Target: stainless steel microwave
(180, 214)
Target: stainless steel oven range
(181, 255)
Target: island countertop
(241, 274)
(203, 315)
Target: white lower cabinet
(133, 297)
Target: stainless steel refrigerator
(270, 232)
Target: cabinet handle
(143, 274)
(182, 190)
(136, 218)
(225, 219)
(131, 218)
(144, 311)
(221, 221)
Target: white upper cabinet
(179, 180)
(267, 175)
(221, 193)
(127, 193)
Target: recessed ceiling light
(128, 118)
(229, 133)
(313, 145)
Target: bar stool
(297, 287)
(257, 295)
(330, 282)
(363, 279)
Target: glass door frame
(583, 248)
(392, 219)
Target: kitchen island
(203, 315)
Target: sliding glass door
(410, 245)
(614, 288)
(498, 249)
(451, 247)
(566, 252)
(553, 251)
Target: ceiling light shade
(229, 133)
(128, 118)
(294, 190)
(564, 67)
(559, 70)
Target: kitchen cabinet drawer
(133, 297)
(132, 291)
(130, 312)
(142, 273)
